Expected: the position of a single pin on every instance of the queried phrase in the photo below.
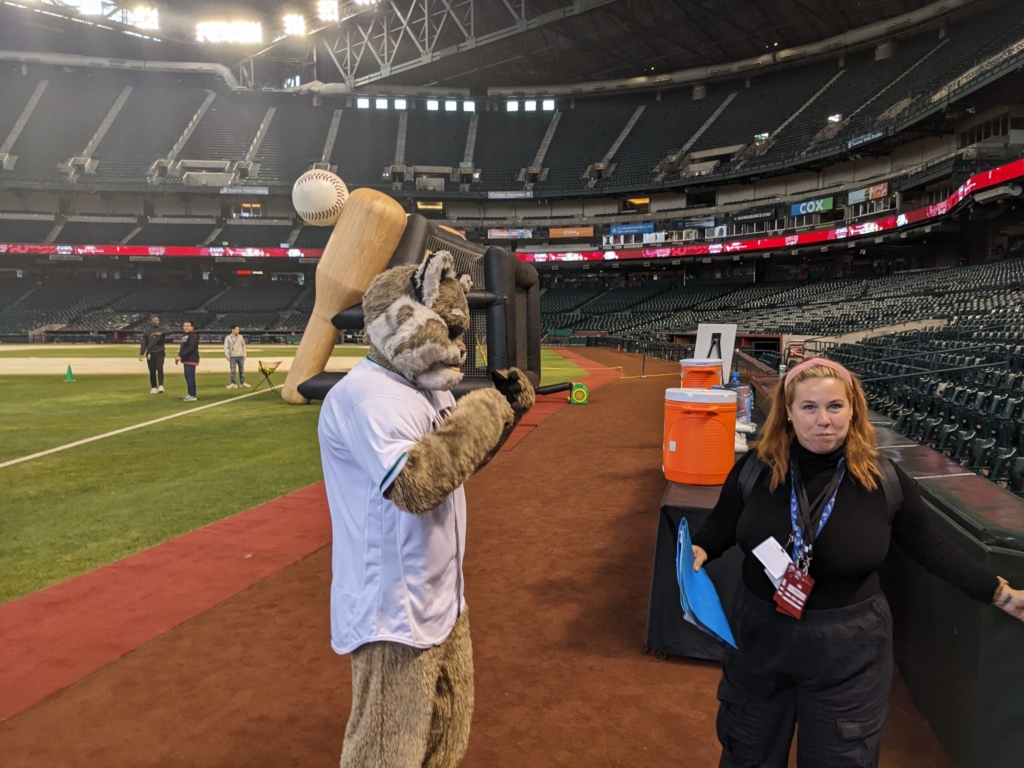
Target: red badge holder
(793, 591)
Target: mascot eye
(454, 331)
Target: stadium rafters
(367, 45)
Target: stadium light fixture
(469, 106)
(530, 106)
(229, 32)
(365, 2)
(401, 104)
(327, 10)
(90, 7)
(294, 25)
(362, 103)
(836, 118)
(512, 106)
(146, 18)
(381, 104)
(451, 106)
(433, 105)
(548, 105)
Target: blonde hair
(778, 433)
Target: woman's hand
(1009, 599)
(699, 557)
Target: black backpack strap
(891, 486)
(749, 475)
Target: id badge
(793, 591)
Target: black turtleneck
(853, 544)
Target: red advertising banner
(991, 178)
(160, 250)
(974, 184)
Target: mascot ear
(466, 282)
(426, 280)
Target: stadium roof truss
(437, 42)
(368, 45)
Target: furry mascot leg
(411, 707)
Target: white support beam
(402, 36)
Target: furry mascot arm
(444, 459)
(517, 389)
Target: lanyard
(801, 517)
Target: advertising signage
(509, 234)
(994, 177)
(558, 232)
(869, 193)
(985, 180)
(161, 250)
(515, 194)
(811, 206)
(864, 139)
(635, 228)
(755, 215)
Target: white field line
(121, 431)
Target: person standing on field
(152, 349)
(234, 351)
(188, 356)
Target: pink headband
(845, 374)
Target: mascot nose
(462, 348)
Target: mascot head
(415, 318)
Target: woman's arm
(913, 531)
(718, 532)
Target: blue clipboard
(697, 595)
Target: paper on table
(697, 595)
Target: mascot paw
(516, 388)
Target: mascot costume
(396, 450)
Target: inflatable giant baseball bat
(361, 245)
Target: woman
(825, 664)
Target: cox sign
(811, 206)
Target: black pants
(156, 369)
(829, 672)
(190, 379)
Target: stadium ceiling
(480, 44)
(484, 43)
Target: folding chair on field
(267, 369)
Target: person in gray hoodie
(234, 351)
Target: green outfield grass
(72, 511)
(271, 351)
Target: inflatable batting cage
(504, 308)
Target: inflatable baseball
(318, 197)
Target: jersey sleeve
(380, 432)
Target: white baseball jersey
(397, 576)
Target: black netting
(468, 261)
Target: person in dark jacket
(188, 356)
(813, 629)
(152, 349)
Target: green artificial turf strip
(555, 369)
(42, 412)
(73, 511)
(266, 351)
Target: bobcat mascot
(396, 449)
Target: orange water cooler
(700, 373)
(700, 435)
